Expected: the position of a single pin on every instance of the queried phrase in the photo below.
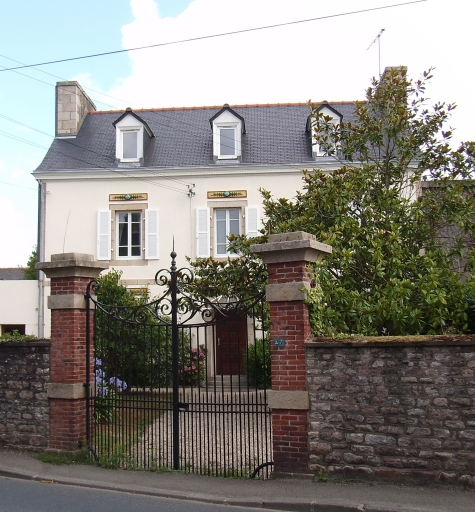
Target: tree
(393, 268)
(30, 271)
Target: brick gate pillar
(69, 273)
(287, 256)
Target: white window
(225, 222)
(131, 134)
(227, 141)
(228, 127)
(130, 149)
(332, 117)
(127, 234)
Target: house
(128, 186)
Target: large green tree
(399, 213)
(397, 244)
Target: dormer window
(130, 144)
(327, 115)
(131, 134)
(228, 127)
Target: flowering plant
(106, 391)
(194, 365)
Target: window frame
(129, 245)
(227, 221)
(227, 126)
(122, 130)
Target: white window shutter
(104, 235)
(151, 235)
(202, 233)
(252, 221)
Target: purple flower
(97, 362)
(101, 391)
(117, 383)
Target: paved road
(31, 496)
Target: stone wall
(24, 408)
(393, 410)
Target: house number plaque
(279, 342)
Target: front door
(231, 342)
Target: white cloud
(326, 59)
(15, 250)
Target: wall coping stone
(21, 344)
(391, 341)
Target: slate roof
(12, 274)
(275, 134)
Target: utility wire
(200, 38)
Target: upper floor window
(227, 142)
(129, 234)
(130, 149)
(228, 128)
(227, 222)
(215, 224)
(131, 135)
(327, 115)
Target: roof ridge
(248, 105)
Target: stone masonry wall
(24, 408)
(393, 410)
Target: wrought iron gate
(180, 382)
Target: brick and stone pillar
(69, 273)
(287, 256)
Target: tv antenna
(377, 38)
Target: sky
(333, 58)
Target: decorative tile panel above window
(334, 117)
(132, 133)
(228, 128)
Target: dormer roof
(130, 112)
(227, 108)
(324, 106)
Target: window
(232, 220)
(127, 233)
(13, 328)
(329, 116)
(228, 127)
(227, 142)
(227, 222)
(130, 144)
(131, 136)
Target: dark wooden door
(231, 342)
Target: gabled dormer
(132, 134)
(228, 127)
(333, 117)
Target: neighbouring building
(18, 302)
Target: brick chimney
(72, 105)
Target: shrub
(257, 364)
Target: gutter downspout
(41, 255)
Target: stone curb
(291, 506)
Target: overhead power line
(200, 38)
